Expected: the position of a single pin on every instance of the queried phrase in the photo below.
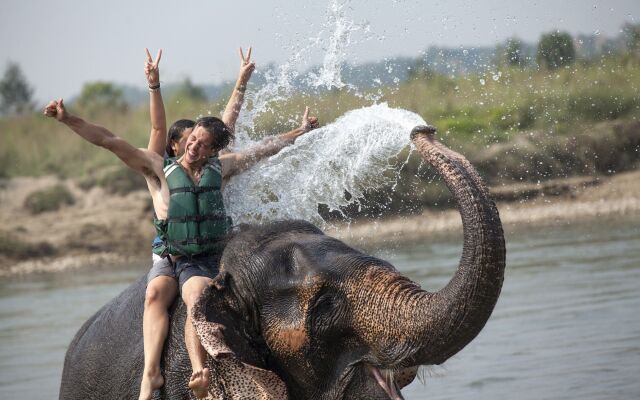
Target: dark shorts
(184, 268)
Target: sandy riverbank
(555, 202)
(100, 228)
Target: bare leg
(199, 382)
(161, 292)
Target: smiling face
(199, 146)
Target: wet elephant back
(176, 366)
(105, 359)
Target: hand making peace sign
(308, 123)
(151, 70)
(246, 66)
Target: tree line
(554, 50)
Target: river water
(566, 325)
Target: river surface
(566, 325)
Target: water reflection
(39, 315)
(565, 326)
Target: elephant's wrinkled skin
(331, 322)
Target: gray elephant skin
(297, 314)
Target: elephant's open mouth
(386, 380)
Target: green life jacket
(196, 220)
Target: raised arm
(232, 110)
(235, 163)
(158, 134)
(136, 159)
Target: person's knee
(156, 295)
(152, 296)
(190, 299)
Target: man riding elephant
(204, 223)
(190, 218)
(297, 314)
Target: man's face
(199, 146)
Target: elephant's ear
(235, 365)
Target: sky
(63, 44)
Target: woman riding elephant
(192, 236)
(297, 314)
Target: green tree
(632, 37)
(420, 70)
(513, 52)
(556, 50)
(98, 96)
(15, 92)
(187, 90)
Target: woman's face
(178, 146)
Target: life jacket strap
(198, 218)
(197, 240)
(194, 189)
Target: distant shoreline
(102, 229)
(579, 199)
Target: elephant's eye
(327, 313)
(324, 303)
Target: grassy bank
(514, 124)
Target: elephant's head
(334, 323)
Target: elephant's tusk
(387, 382)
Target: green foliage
(14, 247)
(514, 123)
(603, 149)
(525, 116)
(49, 199)
(188, 91)
(510, 53)
(632, 36)
(440, 82)
(597, 104)
(99, 97)
(15, 92)
(465, 122)
(556, 50)
(420, 70)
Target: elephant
(297, 314)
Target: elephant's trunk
(455, 315)
(428, 328)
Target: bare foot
(199, 383)
(150, 382)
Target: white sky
(62, 44)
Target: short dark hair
(220, 132)
(175, 133)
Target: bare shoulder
(228, 155)
(229, 162)
(152, 169)
(229, 159)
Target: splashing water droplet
(350, 154)
(285, 81)
(330, 75)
